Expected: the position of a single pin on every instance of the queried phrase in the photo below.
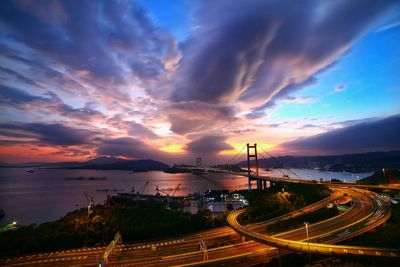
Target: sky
(175, 80)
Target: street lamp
(308, 241)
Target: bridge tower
(249, 157)
(252, 153)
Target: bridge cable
(239, 159)
(277, 159)
(264, 157)
(235, 155)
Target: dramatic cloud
(139, 130)
(258, 51)
(51, 104)
(91, 36)
(208, 144)
(88, 78)
(196, 116)
(46, 134)
(373, 135)
(128, 147)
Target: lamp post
(306, 224)
(308, 241)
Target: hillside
(101, 163)
(133, 165)
(362, 162)
(393, 176)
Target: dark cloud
(210, 144)
(13, 97)
(18, 76)
(102, 38)
(374, 135)
(260, 51)
(196, 116)
(139, 130)
(51, 103)
(128, 147)
(47, 134)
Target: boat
(30, 171)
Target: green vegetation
(136, 221)
(280, 199)
(391, 176)
(146, 220)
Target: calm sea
(46, 194)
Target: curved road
(369, 212)
(184, 247)
(229, 251)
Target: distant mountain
(101, 163)
(379, 177)
(362, 162)
(103, 160)
(133, 165)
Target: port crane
(176, 189)
(158, 191)
(141, 190)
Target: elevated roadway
(225, 246)
(369, 212)
(169, 250)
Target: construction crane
(159, 191)
(141, 190)
(176, 189)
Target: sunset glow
(176, 80)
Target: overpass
(379, 214)
(253, 177)
(252, 155)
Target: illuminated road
(303, 181)
(172, 249)
(223, 243)
(360, 222)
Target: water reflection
(46, 195)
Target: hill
(390, 176)
(133, 165)
(361, 162)
(100, 163)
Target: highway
(294, 180)
(362, 220)
(224, 245)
